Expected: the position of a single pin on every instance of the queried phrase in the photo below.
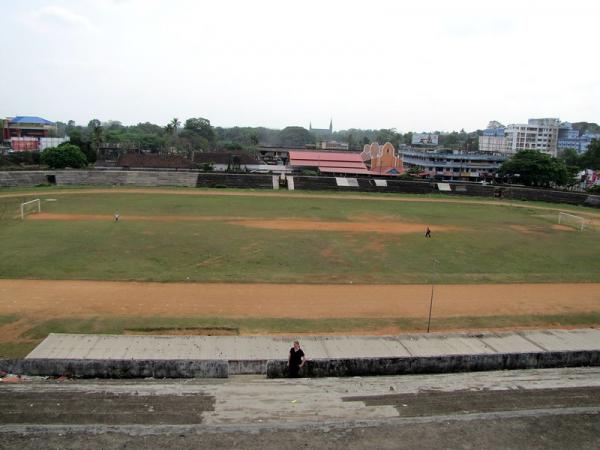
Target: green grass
(8, 319)
(205, 325)
(244, 326)
(487, 250)
(16, 349)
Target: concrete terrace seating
(124, 178)
(317, 183)
(399, 186)
(187, 178)
(231, 180)
(23, 179)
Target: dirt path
(339, 196)
(50, 299)
(372, 226)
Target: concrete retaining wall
(230, 180)
(125, 178)
(247, 367)
(436, 364)
(259, 181)
(24, 179)
(97, 368)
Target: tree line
(197, 134)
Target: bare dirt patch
(270, 224)
(52, 299)
(562, 227)
(351, 227)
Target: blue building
(570, 138)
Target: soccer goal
(31, 206)
(571, 220)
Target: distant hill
(586, 127)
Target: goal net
(31, 207)
(571, 220)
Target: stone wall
(158, 178)
(125, 178)
(352, 367)
(231, 180)
(24, 179)
(116, 368)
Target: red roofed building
(329, 162)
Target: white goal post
(572, 220)
(30, 206)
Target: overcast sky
(412, 65)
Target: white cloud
(52, 16)
(412, 65)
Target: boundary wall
(117, 368)
(157, 178)
(356, 367)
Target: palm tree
(175, 125)
(98, 138)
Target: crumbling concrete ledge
(117, 368)
(350, 367)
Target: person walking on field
(116, 217)
(296, 360)
(428, 232)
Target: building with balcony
(452, 165)
(537, 134)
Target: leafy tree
(591, 158)
(200, 127)
(231, 146)
(97, 133)
(570, 157)
(295, 137)
(77, 138)
(65, 155)
(533, 168)
(388, 135)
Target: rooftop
(30, 120)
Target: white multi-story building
(537, 134)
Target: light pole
(434, 261)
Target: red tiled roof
(341, 162)
(344, 170)
(325, 156)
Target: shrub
(66, 155)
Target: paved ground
(90, 346)
(552, 408)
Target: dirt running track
(49, 299)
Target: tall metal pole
(431, 299)
(430, 308)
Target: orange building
(382, 159)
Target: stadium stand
(23, 179)
(188, 178)
(231, 180)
